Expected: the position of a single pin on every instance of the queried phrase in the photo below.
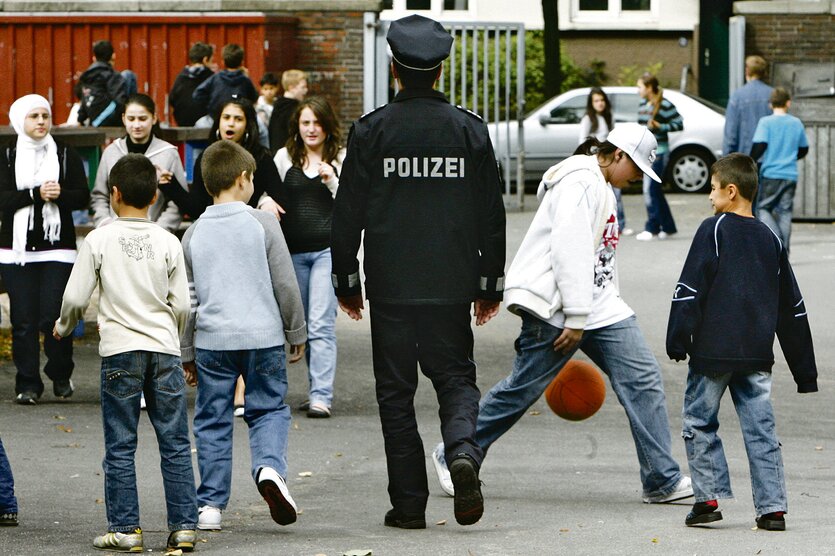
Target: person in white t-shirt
(563, 284)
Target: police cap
(418, 43)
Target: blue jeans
(751, 394)
(266, 414)
(659, 216)
(313, 272)
(124, 377)
(775, 200)
(622, 354)
(8, 502)
(620, 211)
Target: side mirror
(544, 119)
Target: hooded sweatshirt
(186, 111)
(564, 272)
(162, 154)
(221, 86)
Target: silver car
(552, 132)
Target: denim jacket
(747, 105)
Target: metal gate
(484, 73)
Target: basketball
(577, 392)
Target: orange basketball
(577, 392)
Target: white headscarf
(36, 162)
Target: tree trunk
(551, 38)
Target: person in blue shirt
(780, 140)
(736, 263)
(746, 106)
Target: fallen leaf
(74, 445)
(63, 428)
(75, 476)
(172, 552)
(442, 522)
(655, 540)
(534, 412)
(564, 530)
(339, 454)
(99, 501)
(819, 448)
(306, 474)
(295, 426)
(59, 417)
(358, 552)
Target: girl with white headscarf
(41, 183)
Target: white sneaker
(663, 235)
(239, 411)
(208, 518)
(645, 236)
(274, 490)
(627, 232)
(142, 404)
(684, 489)
(441, 469)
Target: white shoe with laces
(208, 518)
(645, 236)
(441, 469)
(684, 489)
(272, 487)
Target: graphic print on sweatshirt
(604, 265)
(136, 247)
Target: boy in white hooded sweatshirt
(563, 284)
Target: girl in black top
(41, 183)
(309, 167)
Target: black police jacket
(420, 179)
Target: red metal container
(46, 53)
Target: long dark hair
(250, 140)
(148, 104)
(592, 113)
(330, 125)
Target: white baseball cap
(639, 143)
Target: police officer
(420, 178)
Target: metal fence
(485, 73)
(814, 198)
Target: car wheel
(689, 169)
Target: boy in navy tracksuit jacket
(736, 290)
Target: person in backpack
(186, 111)
(103, 90)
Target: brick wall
(328, 46)
(790, 37)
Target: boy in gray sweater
(245, 305)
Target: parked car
(552, 133)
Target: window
(570, 111)
(625, 106)
(434, 7)
(418, 4)
(594, 5)
(456, 4)
(614, 7)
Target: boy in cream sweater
(143, 307)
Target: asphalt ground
(550, 486)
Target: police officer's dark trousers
(440, 339)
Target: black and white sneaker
(274, 490)
(63, 389)
(27, 398)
